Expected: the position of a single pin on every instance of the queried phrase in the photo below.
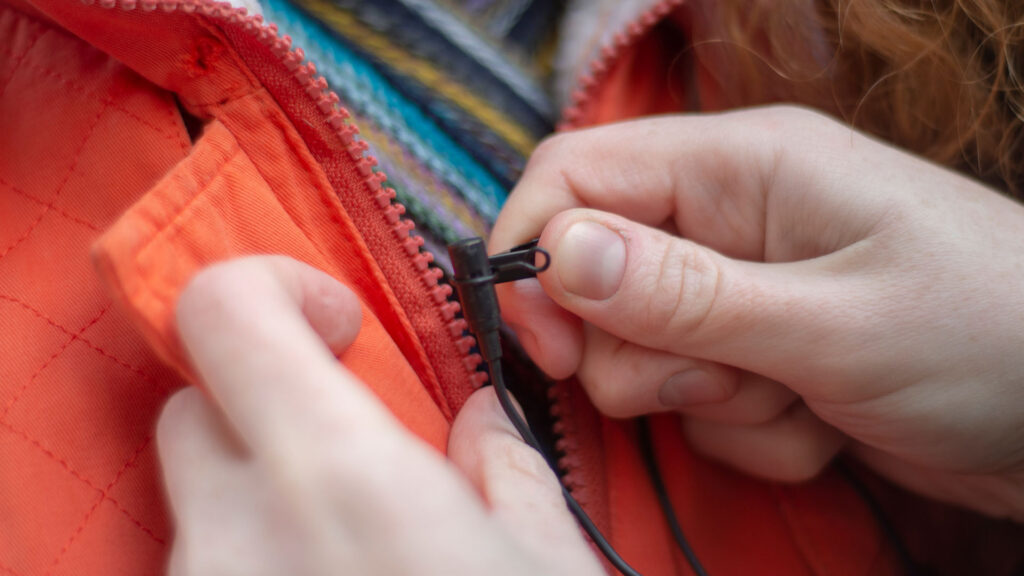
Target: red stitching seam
(173, 114)
(50, 454)
(38, 445)
(134, 521)
(78, 476)
(49, 205)
(39, 314)
(70, 83)
(137, 371)
(67, 176)
(36, 374)
(147, 378)
(103, 496)
(74, 536)
(26, 234)
(19, 58)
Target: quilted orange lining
(96, 163)
(94, 153)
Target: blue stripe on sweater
(363, 87)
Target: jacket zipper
(591, 77)
(571, 461)
(569, 428)
(338, 119)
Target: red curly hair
(942, 78)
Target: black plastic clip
(519, 262)
(475, 277)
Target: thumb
(667, 293)
(517, 483)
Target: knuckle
(605, 398)
(800, 461)
(791, 114)
(606, 392)
(600, 374)
(686, 288)
(804, 455)
(804, 127)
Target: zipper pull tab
(519, 262)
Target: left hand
(294, 467)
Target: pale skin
(831, 293)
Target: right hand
(791, 287)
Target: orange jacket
(108, 206)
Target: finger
(247, 327)
(330, 308)
(757, 400)
(213, 493)
(699, 158)
(517, 482)
(623, 379)
(530, 311)
(197, 453)
(746, 183)
(792, 448)
(665, 293)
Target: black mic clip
(475, 277)
(518, 262)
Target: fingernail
(591, 260)
(690, 388)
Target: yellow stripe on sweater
(424, 72)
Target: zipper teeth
(591, 78)
(567, 443)
(338, 118)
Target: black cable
(647, 451)
(476, 273)
(524, 430)
(910, 567)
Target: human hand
(788, 285)
(295, 467)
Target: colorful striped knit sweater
(447, 96)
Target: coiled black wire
(505, 399)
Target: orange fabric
(93, 153)
(81, 138)
(95, 162)
(199, 214)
